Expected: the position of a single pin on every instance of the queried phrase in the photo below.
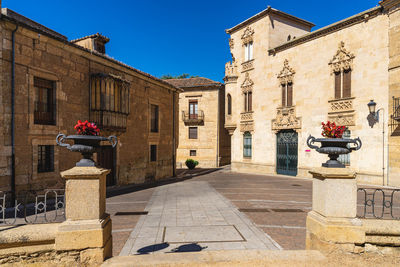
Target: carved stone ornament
(343, 119)
(342, 111)
(247, 85)
(247, 36)
(247, 127)
(286, 119)
(231, 43)
(286, 74)
(343, 60)
(230, 128)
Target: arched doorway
(286, 152)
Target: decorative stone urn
(86, 145)
(334, 147)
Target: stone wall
(40, 55)
(306, 61)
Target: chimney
(95, 42)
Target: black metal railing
(193, 118)
(44, 113)
(30, 207)
(395, 117)
(378, 203)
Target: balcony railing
(109, 120)
(395, 117)
(44, 113)
(193, 118)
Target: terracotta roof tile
(193, 82)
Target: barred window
(154, 119)
(193, 153)
(153, 152)
(45, 158)
(192, 132)
(247, 145)
(45, 102)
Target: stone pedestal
(87, 228)
(332, 223)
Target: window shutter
(283, 95)
(290, 94)
(229, 104)
(245, 102)
(347, 83)
(250, 94)
(250, 51)
(246, 53)
(337, 85)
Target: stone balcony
(246, 116)
(342, 111)
(248, 65)
(193, 119)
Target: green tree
(182, 76)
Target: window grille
(192, 132)
(193, 153)
(45, 158)
(247, 146)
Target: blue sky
(176, 36)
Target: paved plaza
(215, 211)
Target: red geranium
(331, 130)
(86, 128)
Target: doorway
(106, 158)
(286, 152)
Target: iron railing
(193, 118)
(109, 120)
(30, 207)
(44, 113)
(377, 203)
(395, 117)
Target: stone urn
(86, 145)
(334, 147)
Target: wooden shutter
(337, 85)
(290, 94)
(283, 95)
(347, 83)
(250, 94)
(245, 102)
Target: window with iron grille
(45, 102)
(153, 152)
(193, 153)
(154, 119)
(45, 158)
(247, 145)
(345, 158)
(192, 132)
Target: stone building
(202, 135)
(284, 80)
(53, 83)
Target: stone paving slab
(175, 209)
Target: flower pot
(334, 147)
(86, 145)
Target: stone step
(221, 258)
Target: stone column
(332, 223)
(87, 228)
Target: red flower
(86, 128)
(331, 130)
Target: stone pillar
(332, 223)
(87, 228)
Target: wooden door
(106, 159)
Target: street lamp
(373, 117)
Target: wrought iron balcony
(44, 113)
(396, 108)
(109, 120)
(193, 118)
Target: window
(287, 95)
(193, 153)
(248, 99)
(45, 99)
(45, 158)
(247, 145)
(154, 119)
(153, 153)
(193, 109)
(343, 84)
(345, 158)
(192, 132)
(248, 51)
(229, 104)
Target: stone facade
(297, 67)
(42, 53)
(211, 148)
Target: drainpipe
(173, 136)
(12, 183)
(218, 107)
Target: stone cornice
(363, 16)
(388, 4)
(266, 12)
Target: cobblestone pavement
(192, 216)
